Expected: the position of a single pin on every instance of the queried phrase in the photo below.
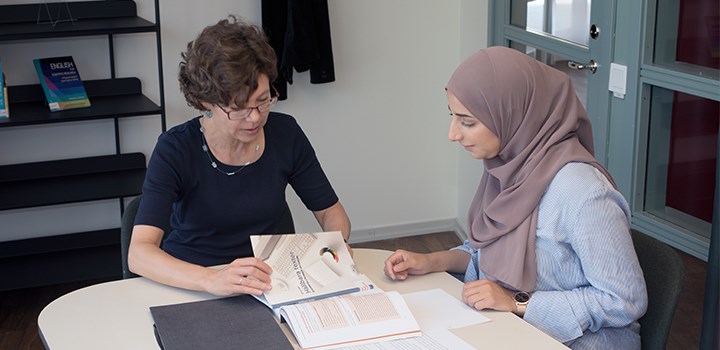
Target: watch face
(522, 297)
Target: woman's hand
(242, 276)
(486, 294)
(403, 263)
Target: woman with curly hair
(221, 177)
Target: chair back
(284, 225)
(126, 228)
(664, 273)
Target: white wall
(379, 130)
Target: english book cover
(61, 83)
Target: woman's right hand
(242, 276)
(403, 263)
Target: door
(572, 36)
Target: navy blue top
(213, 214)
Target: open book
(307, 266)
(350, 320)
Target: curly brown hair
(224, 62)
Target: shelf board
(83, 27)
(44, 245)
(60, 259)
(20, 22)
(71, 180)
(102, 108)
(109, 98)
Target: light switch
(618, 80)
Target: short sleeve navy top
(212, 215)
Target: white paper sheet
(436, 309)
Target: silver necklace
(206, 149)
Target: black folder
(239, 322)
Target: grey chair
(284, 225)
(664, 273)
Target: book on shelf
(4, 102)
(307, 266)
(61, 83)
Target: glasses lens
(266, 106)
(244, 113)
(237, 114)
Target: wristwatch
(521, 300)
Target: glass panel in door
(681, 156)
(687, 37)
(564, 19)
(579, 78)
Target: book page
(351, 319)
(423, 342)
(307, 266)
(349, 310)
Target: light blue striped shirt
(590, 289)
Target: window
(679, 121)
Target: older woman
(549, 234)
(221, 177)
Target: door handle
(592, 66)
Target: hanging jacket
(299, 32)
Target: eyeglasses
(242, 113)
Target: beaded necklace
(206, 149)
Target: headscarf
(532, 108)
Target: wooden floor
(19, 309)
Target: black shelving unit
(76, 255)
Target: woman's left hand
(486, 294)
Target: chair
(126, 227)
(284, 225)
(664, 273)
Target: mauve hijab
(541, 124)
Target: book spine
(43, 83)
(4, 102)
